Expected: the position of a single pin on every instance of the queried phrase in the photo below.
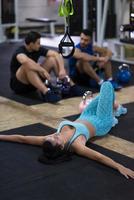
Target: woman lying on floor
(95, 120)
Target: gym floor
(14, 114)
(25, 178)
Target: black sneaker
(115, 85)
(55, 88)
(76, 91)
(51, 97)
(64, 85)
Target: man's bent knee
(21, 74)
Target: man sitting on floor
(84, 61)
(28, 75)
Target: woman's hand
(128, 173)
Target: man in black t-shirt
(28, 75)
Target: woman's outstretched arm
(94, 155)
(33, 140)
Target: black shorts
(84, 79)
(19, 87)
(80, 78)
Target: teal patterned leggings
(100, 111)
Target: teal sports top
(80, 129)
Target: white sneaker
(120, 111)
(115, 121)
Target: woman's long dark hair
(53, 154)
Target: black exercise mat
(6, 51)
(124, 129)
(22, 177)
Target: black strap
(69, 43)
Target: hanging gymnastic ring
(68, 43)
